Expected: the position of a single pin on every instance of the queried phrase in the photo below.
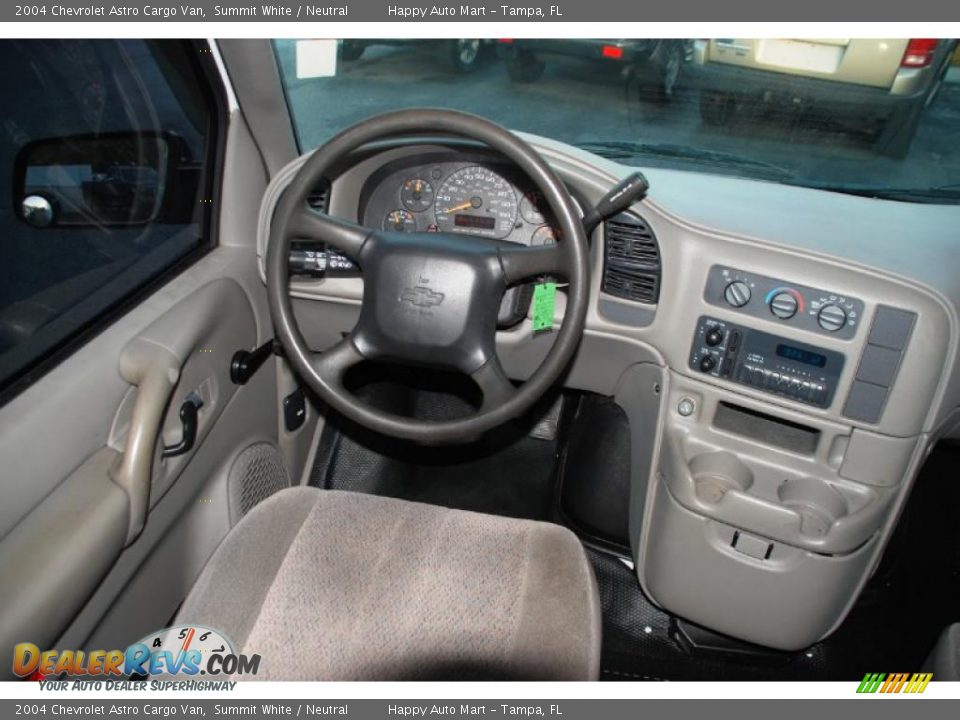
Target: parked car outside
(462, 55)
(883, 83)
(655, 63)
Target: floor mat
(642, 642)
(504, 473)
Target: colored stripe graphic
(913, 683)
(871, 682)
(919, 682)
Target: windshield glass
(879, 117)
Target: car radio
(770, 363)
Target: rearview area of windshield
(871, 116)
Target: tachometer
(477, 201)
(416, 194)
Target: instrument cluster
(471, 195)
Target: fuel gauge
(400, 221)
(416, 194)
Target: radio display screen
(807, 357)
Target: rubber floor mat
(504, 473)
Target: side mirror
(94, 180)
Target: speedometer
(477, 201)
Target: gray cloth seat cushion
(329, 585)
(944, 659)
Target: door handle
(155, 371)
(188, 418)
(153, 362)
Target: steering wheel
(429, 299)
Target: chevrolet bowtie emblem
(421, 296)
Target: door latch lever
(188, 418)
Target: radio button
(819, 394)
(725, 367)
(733, 341)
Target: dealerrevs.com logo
(183, 651)
(887, 683)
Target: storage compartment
(751, 588)
(766, 428)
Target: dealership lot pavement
(584, 103)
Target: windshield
(879, 117)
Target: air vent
(632, 244)
(631, 268)
(640, 287)
(319, 199)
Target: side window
(104, 185)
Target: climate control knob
(832, 317)
(714, 336)
(737, 293)
(707, 363)
(783, 305)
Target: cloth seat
(944, 659)
(329, 585)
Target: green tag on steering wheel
(544, 298)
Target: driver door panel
(93, 519)
(68, 539)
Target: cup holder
(817, 502)
(715, 474)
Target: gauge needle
(462, 206)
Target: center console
(764, 515)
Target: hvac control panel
(766, 362)
(828, 312)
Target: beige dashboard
(755, 511)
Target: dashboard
(472, 195)
(782, 387)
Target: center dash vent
(319, 199)
(631, 262)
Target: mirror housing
(111, 179)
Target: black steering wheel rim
(323, 371)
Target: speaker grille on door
(257, 473)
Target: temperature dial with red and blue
(785, 302)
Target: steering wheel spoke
(334, 362)
(521, 262)
(345, 236)
(494, 384)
